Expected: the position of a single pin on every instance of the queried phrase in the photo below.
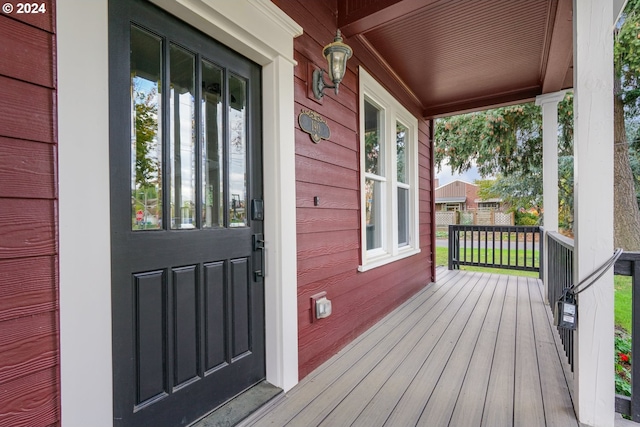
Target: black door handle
(258, 245)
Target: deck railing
(629, 265)
(560, 265)
(496, 246)
(560, 277)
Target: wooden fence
(476, 217)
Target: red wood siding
(29, 332)
(329, 234)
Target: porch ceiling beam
(483, 103)
(560, 53)
(375, 14)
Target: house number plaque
(313, 124)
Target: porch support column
(549, 103)
(593, 209)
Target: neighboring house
(460, 195)
(493, 203)
(457, 203)
(167, 223)
(457, 195)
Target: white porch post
(549, 103)
(593, 207)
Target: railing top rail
(562, 240)
(624, 265)
(629, 256)
(513, 228)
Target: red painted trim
(433, 203)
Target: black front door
(186, 223)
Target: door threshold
(240, 407)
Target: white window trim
(393, 112)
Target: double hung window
(389, 177)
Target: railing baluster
(560, 265)
(466, 245)
(501, 246)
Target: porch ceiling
(463, 55)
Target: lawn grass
(442, 258)
(622, 302)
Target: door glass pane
(182, 145)
(146, 142)
(237, 152)
(212, 147)
(403, 216)
(373, 213)
(401, 152)
(373, 147)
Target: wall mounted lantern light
(337, 54)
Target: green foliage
(526, 218)
(505, 140)
(622, 358)
(626, 52)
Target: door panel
(185, 156)
(150, 332)
(215, 316)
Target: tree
(507, 143)
(500, 141)
(524, 191)
(626, 95)
(508, 140)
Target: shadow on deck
(471, 349)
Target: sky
(445, 176)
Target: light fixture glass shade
(337, 54)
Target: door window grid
(182, 138)
(146, 135)
(206, 140)
(389, 177)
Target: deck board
(320, 407)
(498, 402)
(410, 407)
(441, 403)
(471, 350)
(419, 340)
(550, 359)
(469, 408)
(527, 408)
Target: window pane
(182, 147)
(373, 213)
(146, 143)
(212, 147)
(373, 145)
(237, 152)
(401, 152)
(403, 216)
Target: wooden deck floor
(470, 350)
